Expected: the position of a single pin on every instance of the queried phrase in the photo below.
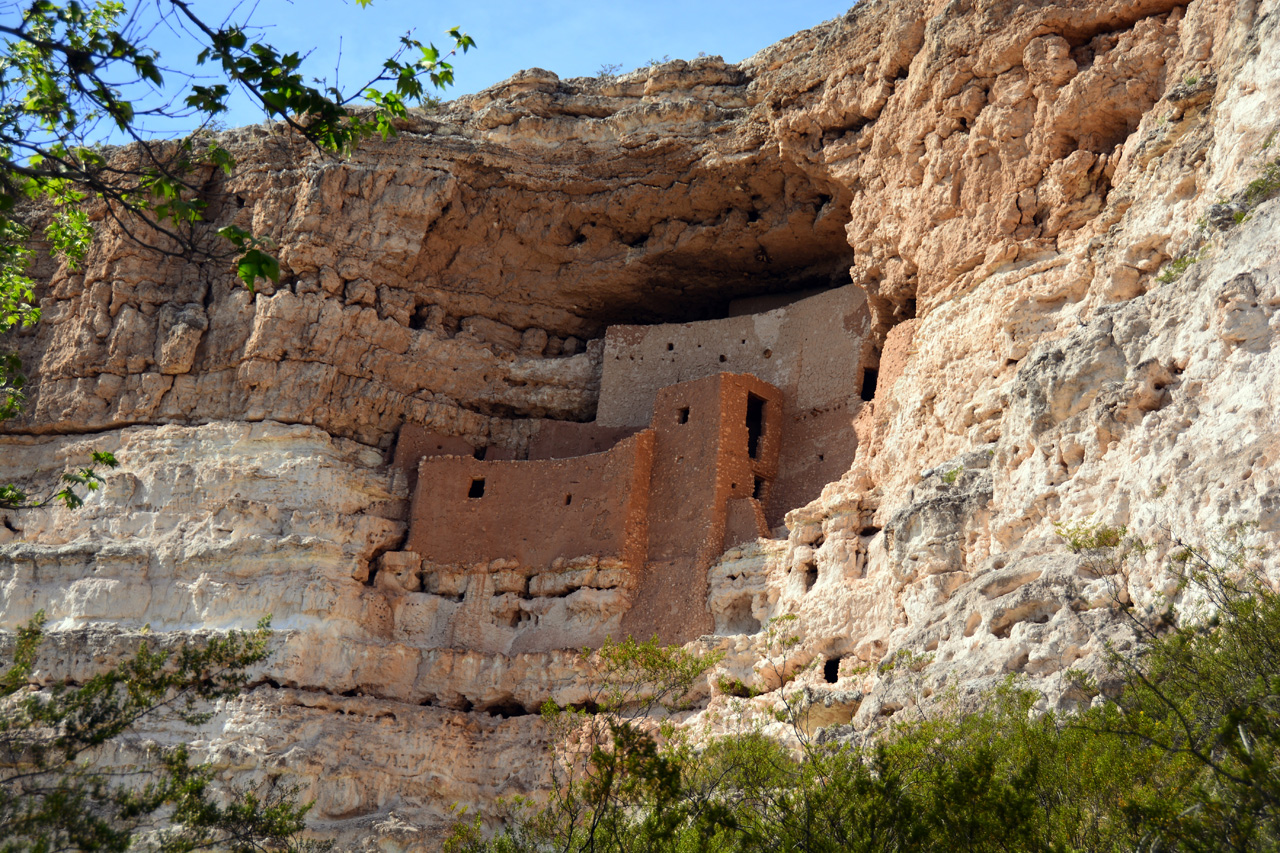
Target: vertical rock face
(1059, 213)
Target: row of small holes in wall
(767, 353)
(477, 491)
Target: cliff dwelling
(705, 435)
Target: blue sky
(570, 37)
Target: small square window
(477, 488)
(682, 415)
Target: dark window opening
(477, 488)
(910, 309)
(831, 670)
(480, 453)
(755, 424)
(869, 379)
(723, 359)
(670, 347)
(768, 353)
(761, 485)
(568, 499)
(682, 416)
(822, 458)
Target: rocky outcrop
(1074, 296)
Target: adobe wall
(818, 448)
(701, 466)
(566, 439)
(414, 443)
(534, 511)
(811, 350)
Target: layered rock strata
(1059, 213)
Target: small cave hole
(239, 201)
(579, 239)
(477, 488)
(870, 376)
(810, 574)
(349, 694)
(910, 309)
(823, 201)
(755, 424)
(869, 530)
(738, 618)
(753, 216)
(682, 415)
(506, 710)
(831, 670)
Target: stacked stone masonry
(684, 460)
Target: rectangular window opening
(480, 452)
(477, 488)
(682, 416)
(755, 424)
(761, 486)
(869, 377)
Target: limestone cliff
(1072, 300)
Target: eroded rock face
(1006, 181)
